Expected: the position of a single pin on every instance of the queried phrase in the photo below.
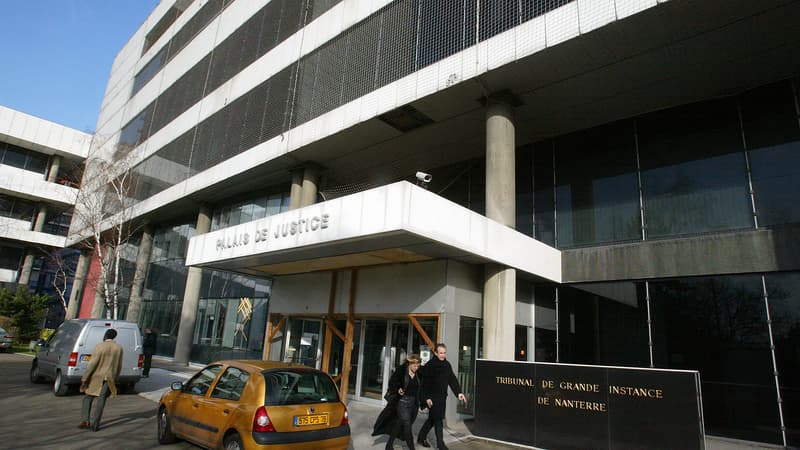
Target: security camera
(423, 177)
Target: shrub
(26, 310)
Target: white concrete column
(296, 193)
(30, 255)
(499, 320)
(142, 262)
(499, 291)
(55, 165)
(73, 307)
(500, 166)
(310, 183)
(191, 297)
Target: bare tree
(102, 223)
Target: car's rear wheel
(59, 387)
(165, 435)
(233, 442)
(35, 376)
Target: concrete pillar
(310, 183)
(499, 291)
(41, 218)
(191, 297)
(142, 262)
(73, 307)
(24, 276)
(55, 165)
(499, 319)
(30, 255)
(500, 167)
(297, 189)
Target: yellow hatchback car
(251, 404)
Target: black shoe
(95, 426)
(423, 442)
(441, 446)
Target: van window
(58, 337)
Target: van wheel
(59, 387)
(35, 377)
(165, 435)
(233, 442)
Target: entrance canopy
(395, 223)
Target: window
(199, 384)
(694, 177)
(231, 384)
(298, 386)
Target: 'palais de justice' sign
(280, 230)
(565, 406)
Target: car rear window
(298, 386)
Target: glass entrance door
(373, 362)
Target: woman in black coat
(404, 397)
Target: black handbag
(392, 396)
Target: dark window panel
(718, 325)
(694, 177)
(597, 192)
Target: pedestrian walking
(148, 349)
(98, 383)
(437, 374)
(404, 398)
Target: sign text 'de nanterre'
(542, 405)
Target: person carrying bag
(403, 397)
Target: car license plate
(86, 358)
(315, 419)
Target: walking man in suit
(98, 383)
(437, 374)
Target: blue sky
(57, 54)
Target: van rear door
(130, 339)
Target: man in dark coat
(437, 374)
(148, 349)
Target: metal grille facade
(401, 38)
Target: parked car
(6, 340)
(253, 404)
(65, 356)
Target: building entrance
(378, 345)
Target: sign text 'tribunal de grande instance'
(565, 406)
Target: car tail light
(261, 422)
(73, 359)
(141, 360)
(345, 417)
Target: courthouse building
(609, 182)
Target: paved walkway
(362, 415)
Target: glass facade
(232, 310)
(717, 325)
(678, 172)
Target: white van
(65, 357)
